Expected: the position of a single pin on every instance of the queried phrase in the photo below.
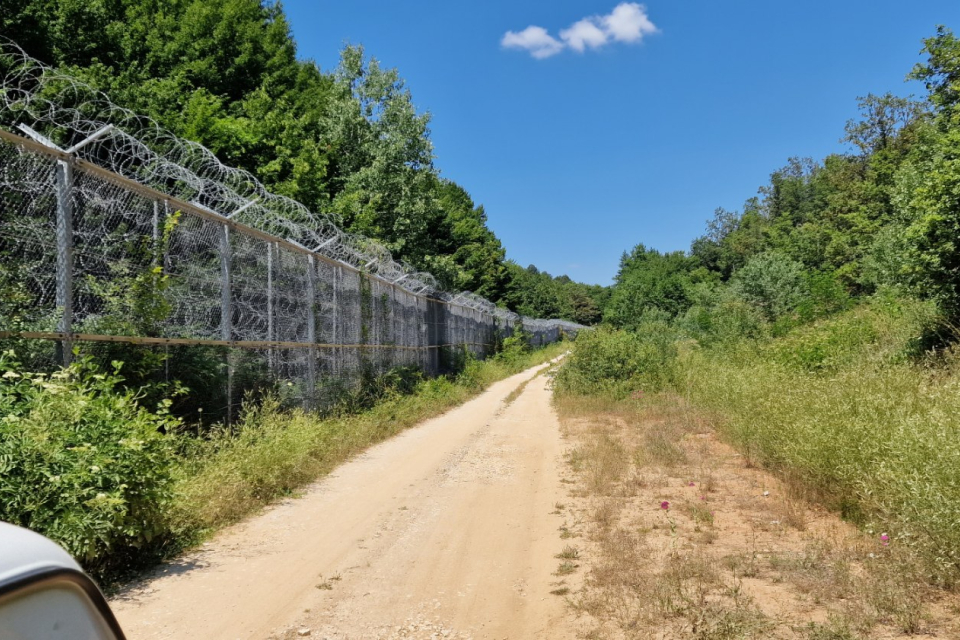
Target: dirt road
(445, 531)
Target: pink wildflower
(884, 539)
(693, 484)
(664, 505)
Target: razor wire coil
(96, 200)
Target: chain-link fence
(115, 232)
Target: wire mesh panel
(194, 259)
(28, 239)
(114, 231)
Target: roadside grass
(272, 453)
(848, 412)
(736, 553)
(516, 393)
(869, 433)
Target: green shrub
(514, 346)
(718, 316)
(880, 331)
(618, 362)
(82, 461)
(826, 295)
(773, 283)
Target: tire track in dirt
(442, 532)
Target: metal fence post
(226, 312)
(156, 228)
(311, 333)
(337, 353)
(64, 173)
(271, 248)
(374, 325)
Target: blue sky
(580, 155)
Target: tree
(584, 308)
(771, 282)
(882, 118)
(927, 192)
(941, 72)
(712, 249)
(649, 280)
(388, 193)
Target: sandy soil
(445, 531)
(711, 547)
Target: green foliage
(82, 462)
(718, 317)
(374, 389)
(772, 283)
(929, 194)
(941, 73)
(607, 361)
(538, 294)
(514, 347)
(649, 279)
(839, 408)
(883, 331)
(468, 256)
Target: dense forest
(349, 141)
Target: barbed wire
(103, 198)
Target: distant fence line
(108, 239)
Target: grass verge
(682, 537)
(844, 409)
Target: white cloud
(628, 22)
(583, 34)
(534, 39)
